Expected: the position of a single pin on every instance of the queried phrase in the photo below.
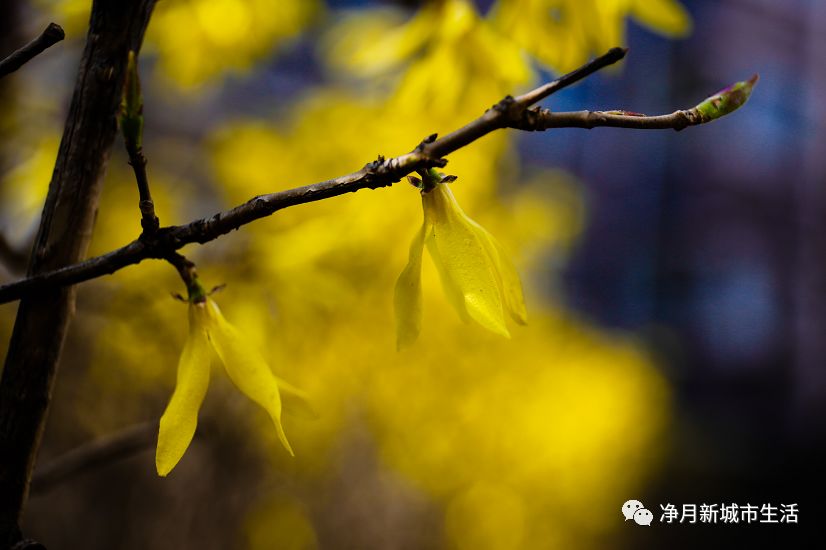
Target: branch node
(149, 221)
(530, 120)
(425, 142)
(505, 104)
(375, 166)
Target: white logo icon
(634, 509)
(643, 516)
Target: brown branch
(131, 125)
(609, 58)
(49, 37)
(510, 108)
(509, 113)
(106, 264)
(537, 120)
(115, 28)
(149, 220)
(188, 273)
(101, 451)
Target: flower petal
(466, 269)
(408, 294)
(180, 419)
(246, 368)
(371, 42)
(511, 285)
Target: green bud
(131, 106)
(430, 179)
(726, 100)
(195, 291)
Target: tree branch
(115, 28)
(49, 37)
(510, 108)
(509, 113)
(609, 58)
(149, 220)
(131, 125)
(103, 450)
(538, 120)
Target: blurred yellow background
(467, 440)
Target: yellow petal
(371, 42)
(510, 284)
(465, 267)
(246, 368)
(180, 419)
(408, 295)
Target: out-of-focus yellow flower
(246, 368)
(477, 276)
(447, 57)
(199, 41)
(563, 33)
(25, 185)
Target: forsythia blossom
(477, 276)
(208, 330)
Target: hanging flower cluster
(477, 276)
(208, 331)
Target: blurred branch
(103, 450)
(49, 37)
(508, 113)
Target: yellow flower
(477, 276)
(563, 33)
(448, 38)
(200, 41)
(246, 368)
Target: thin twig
(131, 125)
(509, 113)
(535, 96)
(186, 269)
(149, 220)
(537, 120)
(49, 37)
(100, 451)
